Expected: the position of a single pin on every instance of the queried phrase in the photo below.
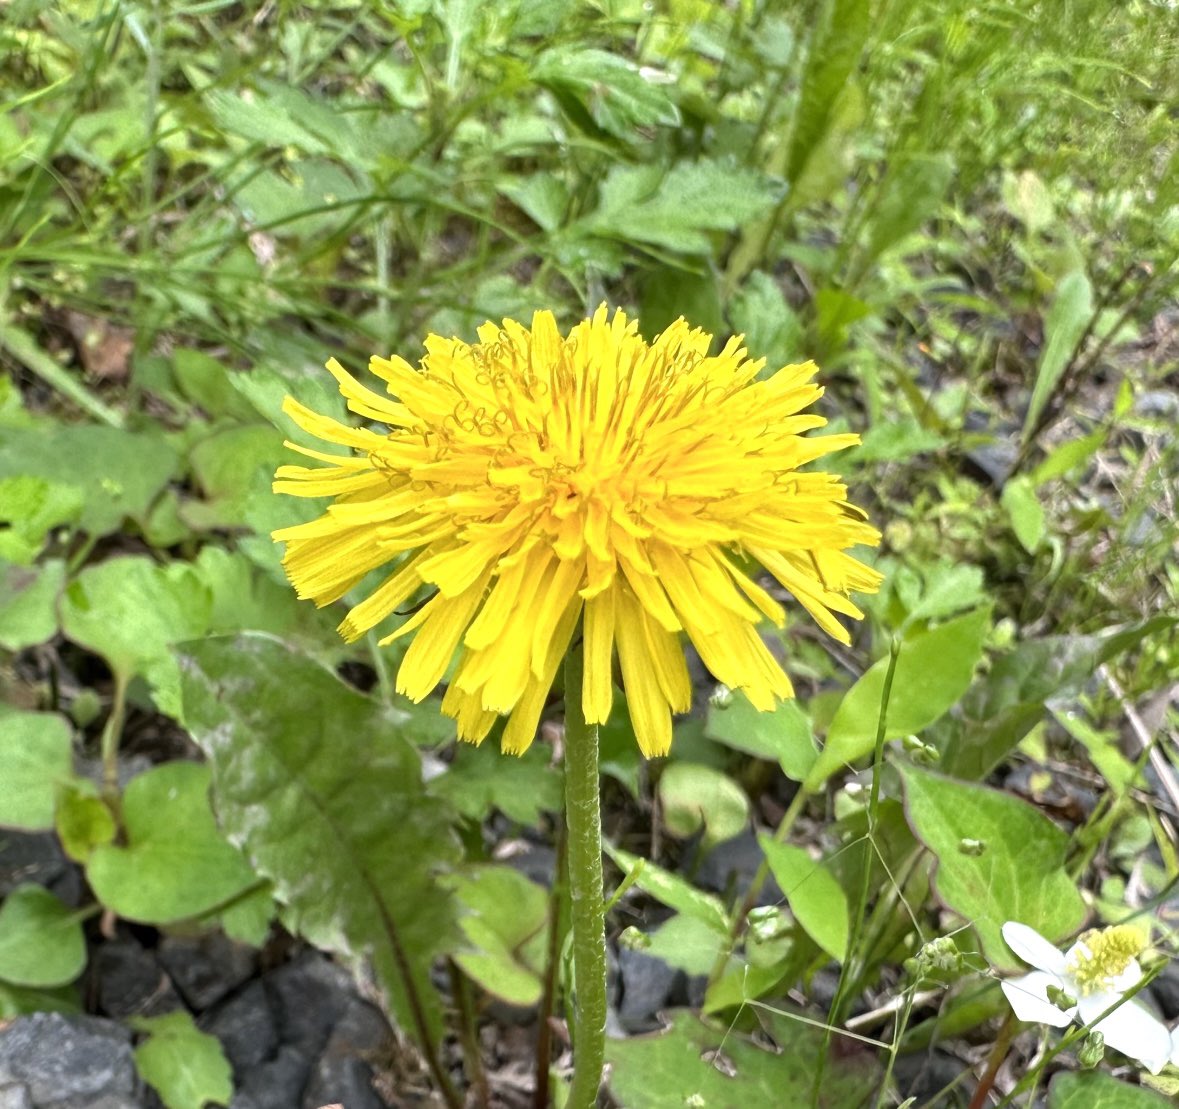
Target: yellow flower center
(1103, 955)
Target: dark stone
(343, 1080)
(730, 867)
(537, 862)
(206, 968)
(342, 1073)
(308, 996)
(37, 857)
(246, 1027)
(1165, 989)
(275, 1084)
(994, 461)
(925, 1076)
(647, 984)
(70, 1062)
(130, 981)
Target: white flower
(1093, 975)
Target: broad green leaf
(832, 159)
(678, 207)
(783, 736)
(942, 589)
(669, 292)
(36, 756)
(28, 603)
(41, 941)
(1065, 323)
(837, 39)
(226, 465)
(896, 441)
(130, 610)
(119, 473)
(602, 92)
(504, 922)
(31, 507)
(815, 897)
(1097, 1090)
(933, 670)
(835, 312)
(686, 942)
(1013, 870)
(480, 779)
(697, 798)
(261, 119)
(315, 782)
(542, 197)
(675, 1068)
(772, 329)
(911, 192)
(185, 1066)
(207, 382)
(175, 863)
(1025, 512)
(672, 890)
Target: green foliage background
(967, 212)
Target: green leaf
(504, 922)
(480, 779)
(911, 192)
(946, 587)
(83, 820)
(677, 208)
(933, 670)
(1068, 456)
(35, 757)
(41, 941)
(207, 383)
(1017, 875)
(815, 896)
(676, 1068)
(772, 329)
(185, 1066)
(836, 43)
(669, 292)
(1026, 197)
(687, 943)
(176, 864)
(896, 441)
(672, 890)
(28, 603)
(1065, 323)
(783, 736)
(119, 473)
(31, 507)
(1095, 1090)
(602, 92)
(227, 466)
(1025, 512)
(18, 1001)
(315, 782)
(697, 798)
(263, 119)
(130, 610)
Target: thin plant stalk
(583, 819)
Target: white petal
(1032, 948)
(1131, 1029)
(1175, 1046)
(1128, 979)
(1028, 998)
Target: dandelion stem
(584, 819)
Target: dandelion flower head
(531, 483)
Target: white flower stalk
(1083, 982)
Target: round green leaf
(41, 941)
(176, 864)
(1095, 1090)
(694, 797)
(783, 736)
(35, 756)
(184, 1065)
(998, 859)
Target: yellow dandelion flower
(531, 482)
